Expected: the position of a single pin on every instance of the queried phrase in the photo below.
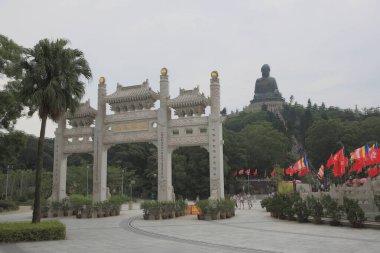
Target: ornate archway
(134, 120)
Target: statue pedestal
(271, 105)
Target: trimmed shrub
(316, 209)
(354, 212)
(332, 209)
(301, 210)
(26, 231)
(6, 205)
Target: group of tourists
(241, 198)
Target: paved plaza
(249, 231)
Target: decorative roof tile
(85, 110)
(189, 98)
(132, 93)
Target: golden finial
(214, 74)
(164, 72)
(102, 81)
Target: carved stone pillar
(60, 163)
(100, 150)
(215, 141)
(164, 177)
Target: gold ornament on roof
(102, 81)
(214, 74)
(164, 72)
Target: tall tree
(52, 85)
(10, 71)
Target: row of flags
(361, 157)
(248, 172)
(300, 168)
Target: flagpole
(248, 181)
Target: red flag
(289, 171)
(374, 171)
(340, 163)
(247, 171)
(330, 162)
(373, 156)
(234, 173)
(255, 173)
(272, 173)
(241, 172)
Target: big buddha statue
(266, 94)
(266, 86)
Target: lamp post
(154, 179)
(9, 167)
(122, 180)
(131, 186)
(86, 180)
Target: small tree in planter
(222, 206)
(302, 211)
(230, 205)
(106, 207)
(214, 209)
(65, 206)
(45, 208)
(332, 209)
(203, 206)
(354, 212)
(288, 208)
(377, 203)
(316, 209)
(98, 209)
(146, 207)
(77, 201)
(56, 206)
(116, 202)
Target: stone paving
(249, 231)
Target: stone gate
(133, 120)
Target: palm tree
(52, 85)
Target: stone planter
(201, 217)
(317, 220)
(208, 217)
(215, 216)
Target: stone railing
(364, 194)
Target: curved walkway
(249, 231)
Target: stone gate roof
(84, 110)
(132, 93)
(189, 98)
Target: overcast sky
(325, 50)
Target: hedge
(6, 205)
(26, 231)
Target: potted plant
(171, 209)
(106, 208)
(354, 212)
(98, 209)
(65, 206)
(316, 209)
(76, 202)
(288, 208)
(332, 209)
(203, 206)
(56, 206)
(222, 206)
(301, 210)
(44, 208)
(146, 207)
